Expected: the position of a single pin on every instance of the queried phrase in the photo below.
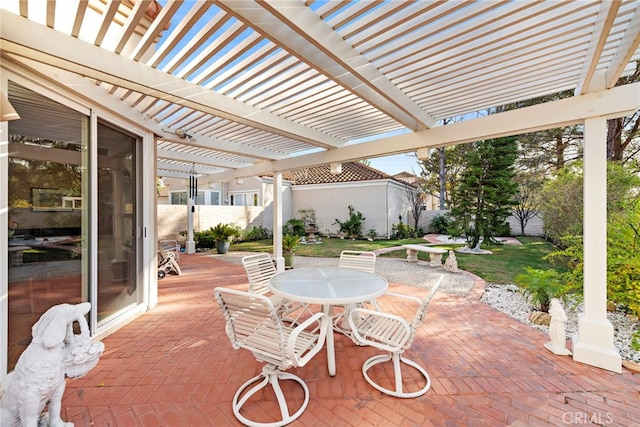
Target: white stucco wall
(172, 219)
(534, 227)
(380, 202)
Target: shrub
(294, 226)
(225, 232)
(372, 233)
(541, 286)
(204, 239)
(402, 230)
(353, 225)
(256, 233)
(440, 224)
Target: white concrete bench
(15, 254)
(435, 254)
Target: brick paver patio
(174, 366)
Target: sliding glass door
(73, 214)
(116, 221)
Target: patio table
(328, 286)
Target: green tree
(483, 199)
(623, 234)
(562, 198)
(454, 163)
(623, 133)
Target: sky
(390, 164)
(398, 163)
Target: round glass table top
(328, 285)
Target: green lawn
(506, 262)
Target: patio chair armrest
(371, 327)
(405, 297)
(321, 319)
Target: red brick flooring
(174, 366)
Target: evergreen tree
(483, 199)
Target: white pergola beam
(94, 94)
(626, 48)
(189, 158)
(619, 101)
(25, 38)
(604, 23)
(298, 30)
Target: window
(202, 198)
(244, 199)
(214, 198)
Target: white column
(190, 245)
(593, 343)
(277, 220)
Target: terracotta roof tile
(351, 172)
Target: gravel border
(395, 270)
(507, 299)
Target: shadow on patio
(174, 366)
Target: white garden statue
(558, 343)
(39, 378)
(451, 263)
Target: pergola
(238, 88)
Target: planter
(222, 246)
(288, 259)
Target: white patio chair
(260, 268)
(393, 334)
(170, 245)
(358, 260)
(167, 263)
(253, 324)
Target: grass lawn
(506, 262)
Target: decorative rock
(516, 305)
(39, 378)
(611, 307)
(540, 318)
(558, 343)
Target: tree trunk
(615, 149)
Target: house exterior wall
(172, 219)
(380, 202)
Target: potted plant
(289, 244)
(223, 235)
(13, 226)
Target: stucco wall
(534, 226)
(172, 219)
(380, 202)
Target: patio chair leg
(397, 360)
(270, 375)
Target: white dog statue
(39, 378)
(558, 343)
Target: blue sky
(397, 163)
(391, 164)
